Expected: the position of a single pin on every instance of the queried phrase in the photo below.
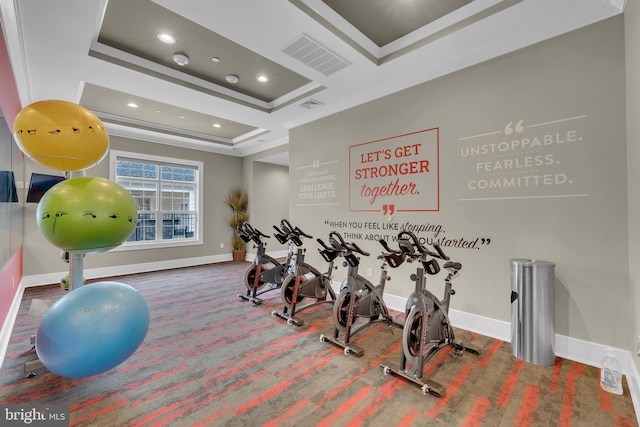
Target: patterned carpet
(212, 359)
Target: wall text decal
(396, 174)
(524, 160)
(427, 233)
(317, 183)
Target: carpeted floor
(212, 359)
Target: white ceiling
(55, 54)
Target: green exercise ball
(87, 215)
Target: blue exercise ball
(92, 329)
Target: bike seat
(453, 265)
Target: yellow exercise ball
(61, 135)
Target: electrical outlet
(221, 245)
(369, 272)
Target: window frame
(114, 155)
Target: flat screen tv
(39, 185)
(8, 193)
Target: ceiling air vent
(311, 104)
(316, 56)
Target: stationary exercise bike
(360, 303)
(307, 282)
(266, 273)
(427, 327)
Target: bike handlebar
(386, 247)
(286, 226)
(415, 243)
(291, 230)
(302, 233)
(440, 252)
(337, 243)
(258, 232)
(356, 248)
(248, 228)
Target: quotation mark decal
(388, 209)
(509, 129)
(484, 241)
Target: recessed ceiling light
(182, 117)
(166, 38)
(232, 78)
(215, 59)
(262, 79)
(158, 112)
(132, 105)
(181, 59)
(216, 125)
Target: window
(167, 192)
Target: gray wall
(220, 174)
(268, 188)
(546, 125)
(270, 199)
(632, 50)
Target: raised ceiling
(392, 20)
(320, 57)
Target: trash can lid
(529, 262)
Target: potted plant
(238, 201)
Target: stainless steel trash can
(533, 337)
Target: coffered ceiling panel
(133, 27)
(148, 114)
(384, 21)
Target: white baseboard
(7, 327)
(96, 273)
